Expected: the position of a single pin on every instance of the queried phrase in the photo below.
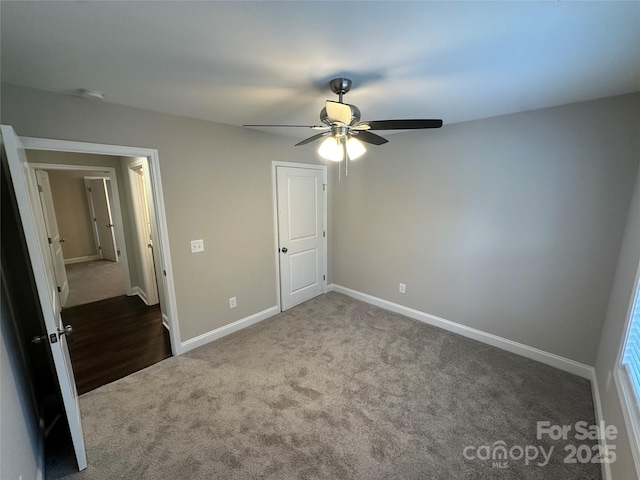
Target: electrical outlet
(232, 302)
(197, 246)
(403, 288)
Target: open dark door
(31, 220)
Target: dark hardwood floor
(113, 338)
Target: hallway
(113, 338)
(93, 281)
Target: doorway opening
(51, 330)
(86, 229)
(100, 215)
(29, 204)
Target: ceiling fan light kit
(332, 149)
(341, 126)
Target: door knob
(284, 250)
(67, 330)
(62, 240)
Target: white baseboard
(562, 363)
(88, 258)
(141, 293)
(227, 329)
(595, 392)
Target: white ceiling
(269, 62)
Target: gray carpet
(332, 389)
(93, 281)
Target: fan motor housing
(355, 115)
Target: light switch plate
(197, 246)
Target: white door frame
(274, 184)
(169, 310)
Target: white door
(35, 233)
(301, 234)
(103, 219)
(142, 216)
(53, 235)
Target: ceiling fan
(344, 131)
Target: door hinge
(89, 188)
(119, 253)
(59, 290)
(39, 188)
(99, 247)
(324, 187)
(164, 272)
(324, 277)
(324, 233)
(49, 239)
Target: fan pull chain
(346, 156)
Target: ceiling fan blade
(404, 124)
(312, 139)
(275, 125)
(369, 137)
(338, 112)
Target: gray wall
(18, 419)
(217, 186)
(510, 225)
(613, 336)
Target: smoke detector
(89, 94)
